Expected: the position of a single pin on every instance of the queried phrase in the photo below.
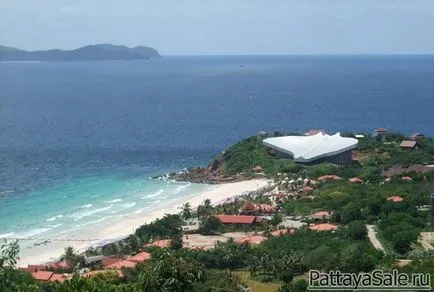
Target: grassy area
(256, 286)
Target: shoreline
(127, 225)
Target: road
(373, 237)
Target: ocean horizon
(80, 140)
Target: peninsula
(86, 53)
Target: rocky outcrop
(205, 175)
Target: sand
(128, 224)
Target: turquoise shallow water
(83, 202)
(80, 139)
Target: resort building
(140, 257)
(254, 209)
(46, 276)
(321, 215)
(313, 132)
(408, 144)
(253, 239)
(395, 199)
(417, 136)
(323, 227)
(163, 243)
(380, 133)
(329, 177)
(280, 232)
(316, 148)
(238, 219)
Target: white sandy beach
(127, 225)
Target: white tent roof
(310, 148)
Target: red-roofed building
(42, 275)
(307, 189)
(59, 278)
(63, 265)
(406, 178)
(395, 199)
(265, 208)
(140, 257)
(283, 231)
(252, 209)
(312, 182)
(121, 265)
(253, 239)
(328, 177)
(312, 132)
(324, 227)
(162, 243)
(408, 144)
(107, 261)
(238, 219)
(417, 136)
(355, 180)
(321, 215)
(257, 168)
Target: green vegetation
(279, 263)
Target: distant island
(91, 52)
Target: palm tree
(69, 254)
(186, 211)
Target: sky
(191, 27)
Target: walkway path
(372, 234)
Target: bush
(357, 230)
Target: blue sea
(79, 141)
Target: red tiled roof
(236, 219)
(257, 168)
(59, 265)
(140, 257)
(265, 208)
(329, 177)
(322, 214)
(163, 243)
(59, 278)
(283, 231)
(323, 227)
(254, 239)
(408, 144)
(312, 132)
(307, 189)
(107, 261)
(248, 206)
(355, 180)
(42, 275)
(395, 199)
(120, 265)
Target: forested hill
(91, 52)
